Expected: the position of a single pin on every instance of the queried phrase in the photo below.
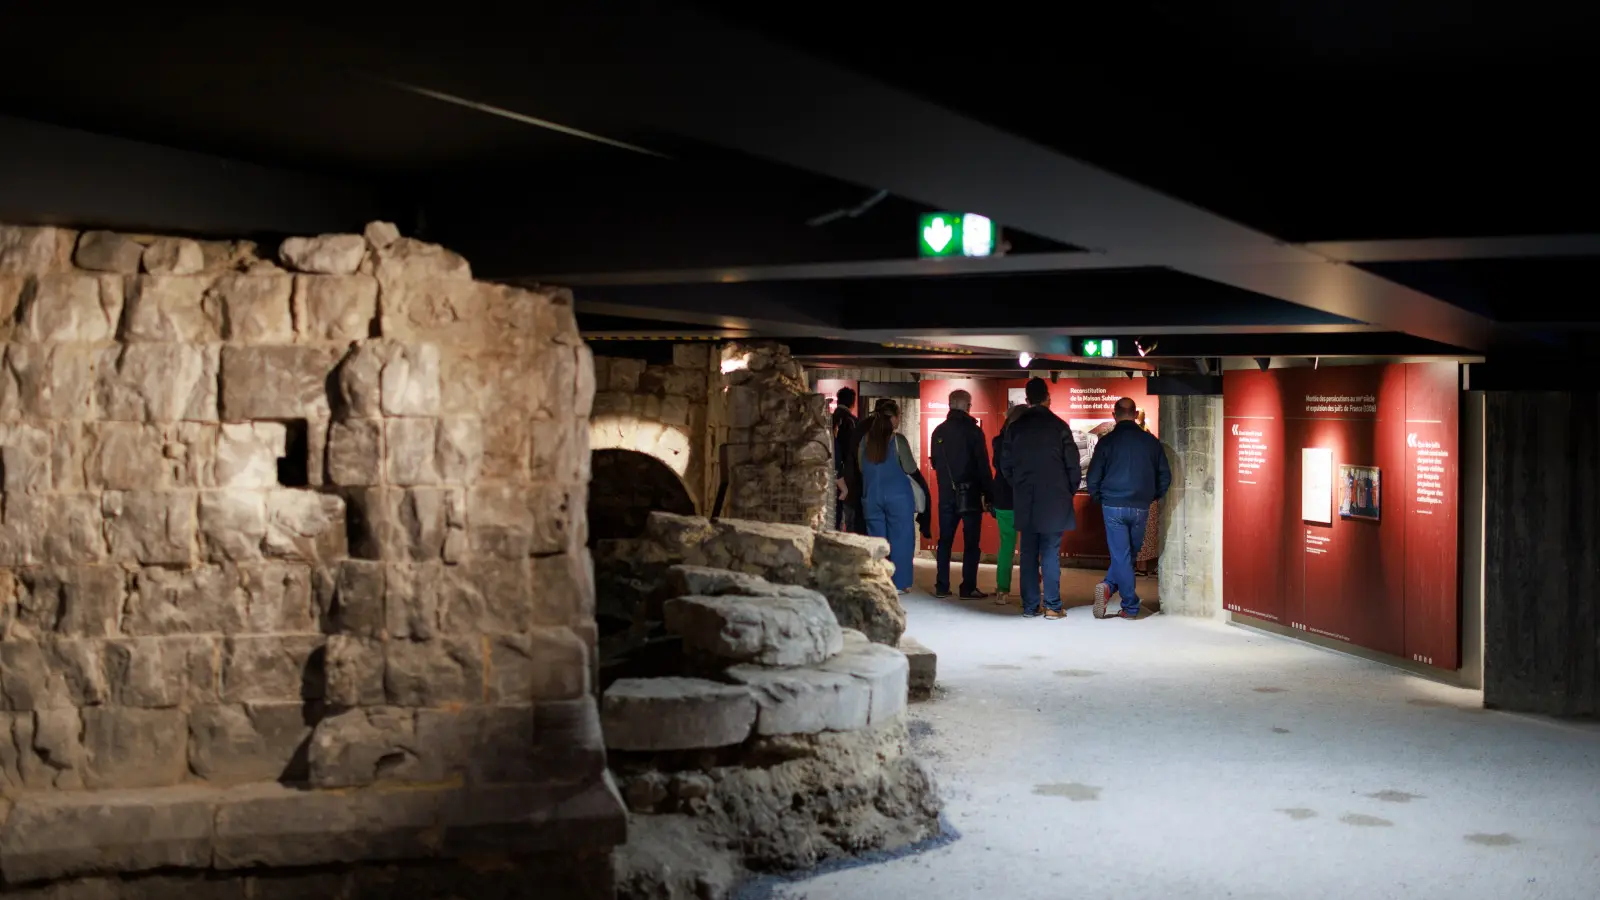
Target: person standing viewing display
(1128, 473)
(889, 497)
(1041, 463)
(960, 458)
(846, 472)
(1002, 506)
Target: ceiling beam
(1430, 249)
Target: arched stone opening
(625, 487)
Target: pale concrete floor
(1176, 757)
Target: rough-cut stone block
(151, 527)
(380, 234)
(700, 581)
(203, 600)
(870, 604)
(247, 454)
(411, 600)
(410, 381)
(584, 371)
(174, 256)
(335, 307)
(571, 744)
(770, 631)
(276, 382)
(922, 668)
(359, 378)
(48, 381)
(26, 250)
(854, 553)
(358, 599)
(805, 701)
(304, 525)
(624, 375)
(675, 411)
(459, 449)
(564, 590)
(781, 553)
(190, 449)
(434, 673)
(507, 437)
(691, 356)
(255, 308)
(885, 671)
(55, 836)
(486, 596)
(410, 445)
(326, 254)
(170, 308)
(282, 827)
(128, 747)
(127, 456)
(70, 307)
(675, 714)
(158, 383)
(237, 743)
(161, 672)
(62, 674)
(73, 601)
(277, 598)
(25, 455)
(107, 251)
(503, 521)
(361, 746)
(355, 668)
(233, 524)
(419, 523)
(355, 452)
(272, 668)
(539, 664)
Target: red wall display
(1389, 582)
(1082, 402)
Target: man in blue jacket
(1041, 464)
(1127, 473)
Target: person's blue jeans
(1124, 536)
(896, 520)
(1041, 551)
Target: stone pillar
(1191, 517)
(780, 446)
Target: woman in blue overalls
(889, 498)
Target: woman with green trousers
(1003, 514)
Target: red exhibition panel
(1382, 572)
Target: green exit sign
(955, 234)
(1101, 347)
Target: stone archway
(625, 487)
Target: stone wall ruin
(292, 570)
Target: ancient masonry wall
(292, 566)
(780, 445)
(660, 410)
(1191, 517)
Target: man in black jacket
(960, 457)
(846, 472)
(1041, 463)
(1128, 472)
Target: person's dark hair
(1126, 408)
(847, 398)
(1037, 391)
(880, 431)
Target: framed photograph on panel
(1359, 494)
(1316, 485)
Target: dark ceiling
(739, 168)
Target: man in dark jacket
(960, 458)
(1128, 472)
(1041, 463)
(846, 473)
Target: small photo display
(1359, 493)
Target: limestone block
(411, 600)
(647, 407)
(336, 308)
(851, 553)
(656, 714)
(237, 743)
(744, 406)
(612, 405)
(190, 449)
(174, 256)
(359, 378)
(157, 383)
(415, 523)
(564, 588)
(625, 374)
(770, 631)
(255, 308)
(107, 251)
(70, 307)
(48, 381)
(380, 235)
(247, 454)
(272, 668)
(281, 826)
(553, 452)
(538, 664)
(25, 455)
(411, 449)
(233, 524)
(58, 674)
(358, 596)
(304, 525)
(50, 751)
(503, 520)
(35, 251)
(355, 452)
(571, 745)
(487, 596)
(276, 382)
(465, 313)
(507, 439)
(134, 748)
(126, 456)
(804, 701)
(691, 356)
(410, 381)
(358, 747)
(884, 670)
(161, 672)
(72, 601)
(782, 553)
(675, 411)
(276, 598)
(700, 581)
(922, 668)
(326, 254)
(54, 836)
(434, 673)
(203, 600)
(868, 604)
(170, 308)
(151, 527)
(587, 379)
(355, 669)
(459, 449)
